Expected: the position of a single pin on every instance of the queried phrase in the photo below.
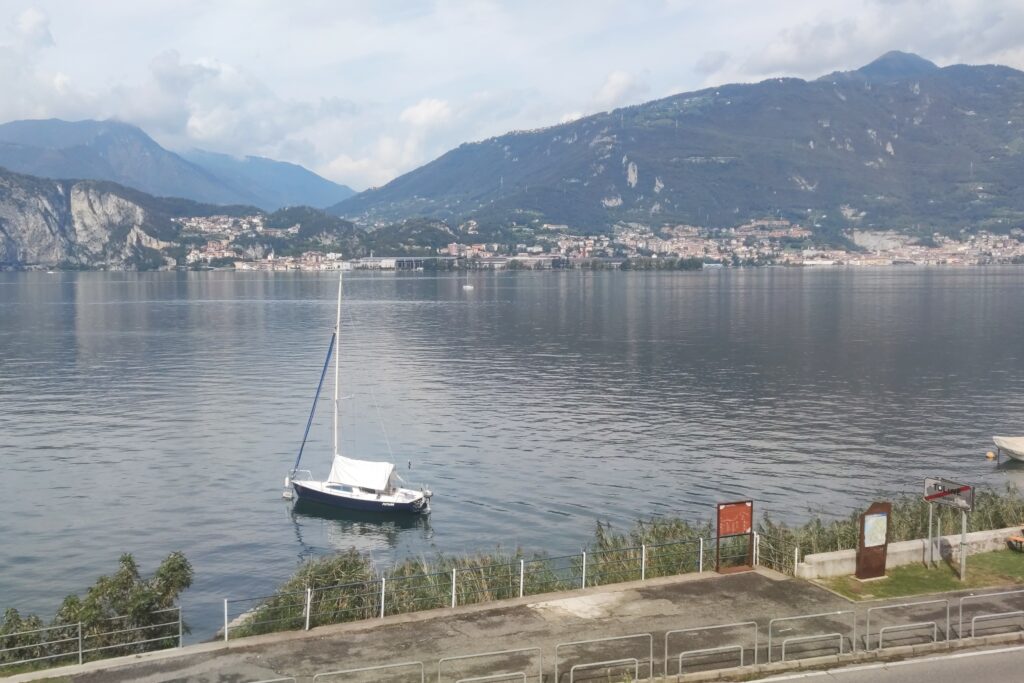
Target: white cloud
(361, 93)
(426, 113)
(619, 88)
(32, 26)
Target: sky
(362, 92)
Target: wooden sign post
(735, 519)
(874, 541)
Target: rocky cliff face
(85, 224)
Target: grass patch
(986, 570)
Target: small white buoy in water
(990, 455)
(467, 287)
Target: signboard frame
(872, 551)
(949, 493)
(939, 491)
(734, 519)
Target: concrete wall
(844, 562)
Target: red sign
(735, 518)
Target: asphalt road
(983, 666)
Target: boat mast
(337, 355)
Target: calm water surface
(153, 412)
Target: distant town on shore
(223, 241)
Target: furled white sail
(365, 474)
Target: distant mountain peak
(123, 153)
(895, 65)
(890, 67)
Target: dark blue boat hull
(345, 503)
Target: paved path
(652, 607)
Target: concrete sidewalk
(650, 607)
(657, 605)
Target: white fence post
(181, 629)
(643, 562)
(796, 558)
(454, 569)
(383, 583)
(225, 620)
(700, 557)
(757, 548)
(79, 642)
(522, 573)
(309, 604)
(584, 582)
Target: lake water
(146, 413)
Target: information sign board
(951, 493)
(735, 518)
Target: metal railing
(528, 651)
(903, 606)
(265, 614)
(704, 630)
(807, 617)
(737, 639)
(82, 641)
(552, 574)
(604, 641)
(776, 553)
(344, 602)
(977, 598)
(377, 671)
(389, 595)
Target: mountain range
(124, 154)
(899, 143)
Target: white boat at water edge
(352, 484)
(1013, 446)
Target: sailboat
(352, 484)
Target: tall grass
(909, 520)
(346, 587)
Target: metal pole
(225, 620)
(796, 558)
(309, 604)
(931, 546)
(643, 562)
(584, 582)
(700, 557)
(963, 545)
(522, 572)
(80, 642)
(454, 569)
(938, 534)
(383, 583)
(181, 630)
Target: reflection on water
(147, 413)
(1012, 471)
(321, 529)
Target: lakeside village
(758, 243)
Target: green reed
(346, 587)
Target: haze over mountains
(899, 143)
(124, 154)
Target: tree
(116, 614)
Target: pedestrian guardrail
(821, 616)
(584, 644)
(380, 673)
(913, 608)
(745, 627)
(968, 599)
(88, 640)
(479, 657)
